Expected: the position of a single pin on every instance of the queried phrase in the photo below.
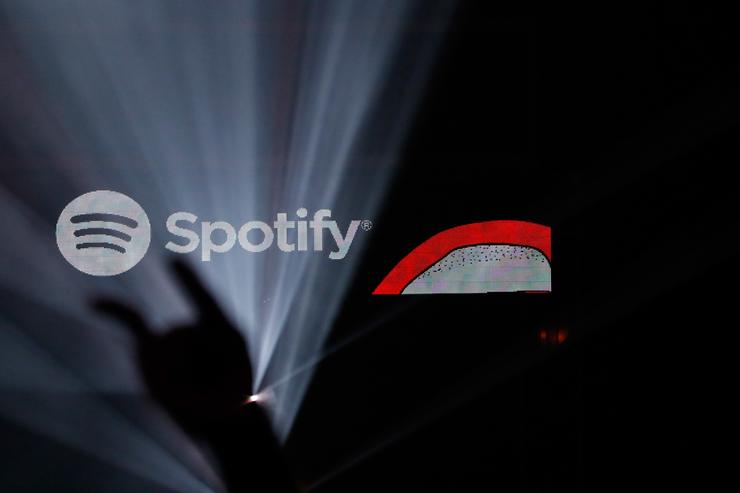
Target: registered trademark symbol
(366, 225)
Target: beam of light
(307, 367)
(232, 112)
(38, 393)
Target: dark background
(617, 126)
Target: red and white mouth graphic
(486, 257)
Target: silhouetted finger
(126, 315)
(205, 303)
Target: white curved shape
(485, 269)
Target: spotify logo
(103, 233)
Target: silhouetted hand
(200, 373)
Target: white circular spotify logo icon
(103, 233)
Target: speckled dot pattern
(484, 269)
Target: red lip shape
(534, 240)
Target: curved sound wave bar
(103, 244)
(103, 231)
(110, 218)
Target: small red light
(562, 335)
(552, 336)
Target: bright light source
(256, 398)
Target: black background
(616, 125)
